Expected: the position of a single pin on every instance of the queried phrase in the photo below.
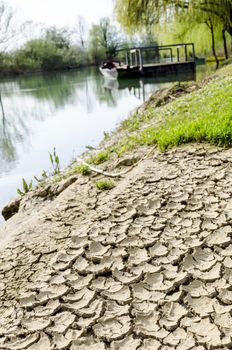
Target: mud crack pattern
(144, 266)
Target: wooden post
(193, 52)
(178, 54)
(140, 60)
(185, 53)
(136, 58)
(171, 54)
(127, 60)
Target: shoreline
(143, 264)
(109, 156)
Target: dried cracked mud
(146, 265)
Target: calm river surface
(68, 111)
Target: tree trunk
(224, 43)
(209, 23)
(229, 29)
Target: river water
(68, 111)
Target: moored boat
(151, 61)
(109, 70)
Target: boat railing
(158, 54)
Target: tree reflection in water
(64, 110)
(27, 99)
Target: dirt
(145, 265)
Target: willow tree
(190, 20)
(222, 12)
(135, 14)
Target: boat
(109, 70)
(151, 61)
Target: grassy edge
(153, 125)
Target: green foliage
(53, 50)
(179, 20)
(100, 157)
(58, 177)
(44, 176)
(103, 185)
(26, 187)
(55, 162)
(190, 31)
(135, 15)
(80, 169)
(45, 55)
(60, 37)
(106, 135)
(104, 40)
(50, 52)
(202, 116)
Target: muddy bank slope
(144, 265)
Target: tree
(210, 25)
(196, 17)
(215, 14)
(60, 37)
(104, 40)
(134, 13)
(8, 28)
(81, 29)
(31, 30)
(137, 14)
(220, 10)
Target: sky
(62, 12)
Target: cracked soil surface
(146, 265)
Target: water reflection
(36, 99)
(138, 88)
(39, 97)
(11, 133)
(65, 110)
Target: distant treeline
(207, 24)
(55, 49)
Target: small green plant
(26, 187)
(44, 176)
(99, 158)
(58, 177)
(55, 162)
(91, 148)
(104, 185)
(82, 169)
(106, 135)
(79, 169)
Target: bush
(103, 185)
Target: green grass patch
(103, 185)
(80, 169)
(99, 158)
(204, 115)
(135, 121)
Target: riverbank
(143, 265)
(75, 106)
